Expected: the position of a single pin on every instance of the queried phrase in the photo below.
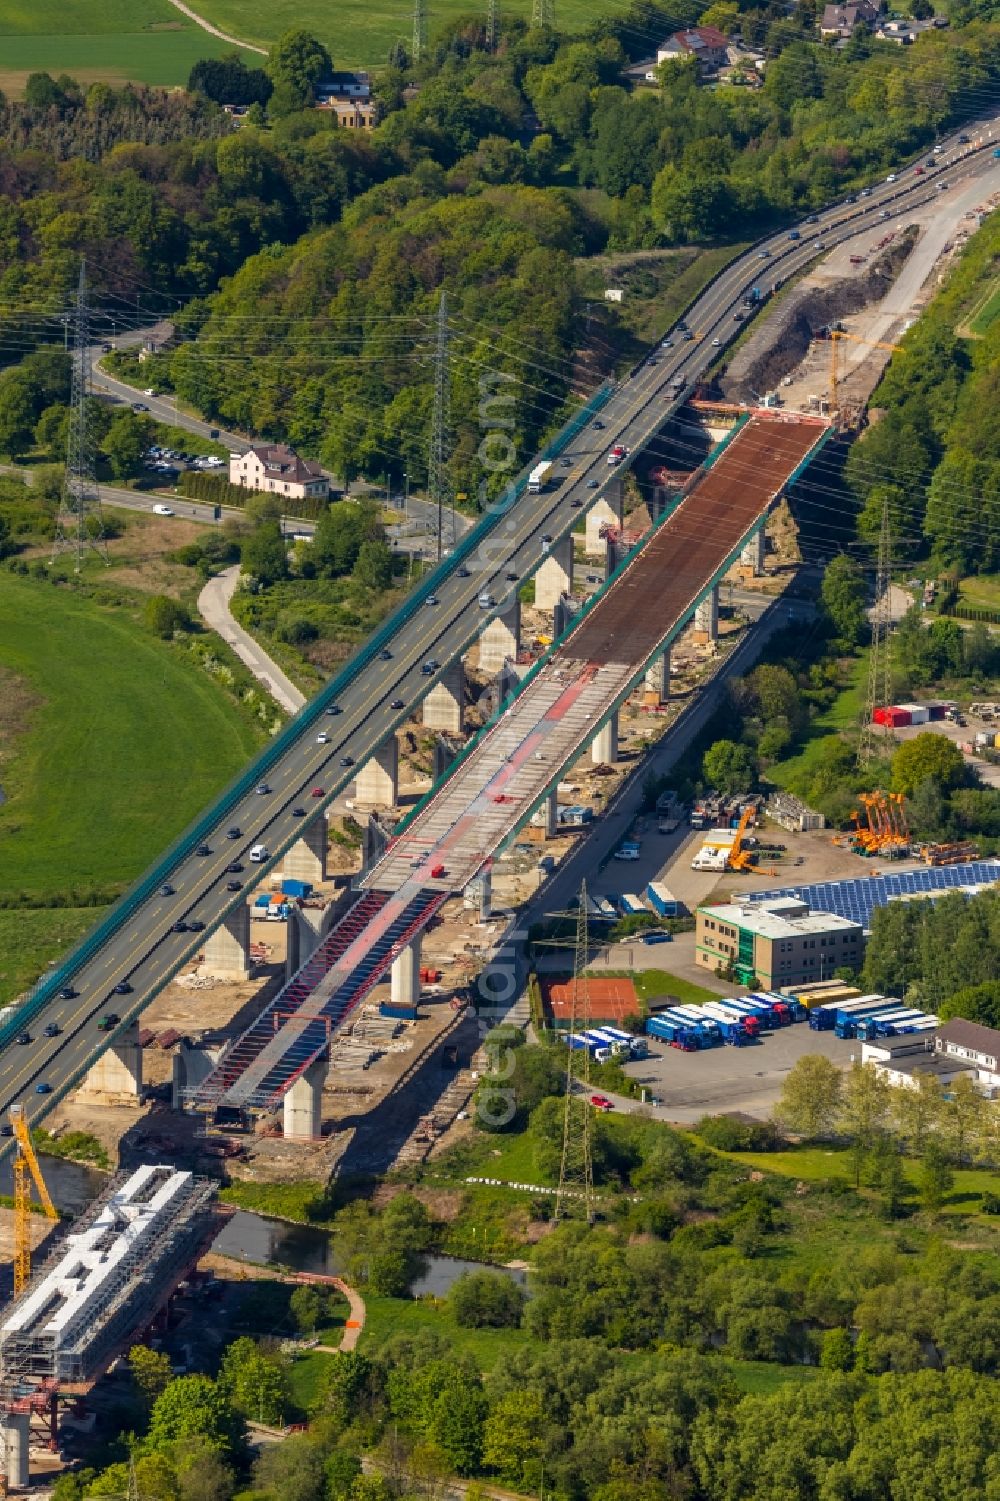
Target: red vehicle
(601, 1102)
(317, 792)
(918, 171)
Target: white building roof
(761, 919)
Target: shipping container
(892, 715)
(919, 713)
(884, 1023)
(661, 900)
(676, 1033)
(393, 1012)
(824, 1018)
(656, 935)
(847, 1026)
(296, 888)
(631, 904)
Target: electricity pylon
(80, 523)
(437, 467)
(543, 13)
(419, 29)
(874, 738)
(492, 24)
(576, 1169)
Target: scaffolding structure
(106, 1279)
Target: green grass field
(988, 313)
(121, 741)
(147, 41)
(30, 939)
(844, 714)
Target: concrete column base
(706, 616)
(227, 952)
(606, 510)
(604, 747)
(480, 893)
(405, 975)
(118, 1072)
(378, 780)
(555, 575)
(752, 556)
(501, 639)
(306, 860)
(656, 688)
(190, 1066)
(302, 1110)
(15, 1430)
(444, 706)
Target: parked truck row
(870, 1016)
(735, 1022)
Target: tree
(836, 1350)
(18, 413)
(125, 445)
(512, 1435)
(927, 755)
(864, 1111)
(202, 1475)
(843, 595)
(296, 63)
(936, 1178)
(811, 1097)
(304, 1306)
(264, 555)
(194, 1407)
(915, 1112)
(228, 80)
(164, 615)
(890, 1178)
(965, 1117)
(150, 1370)
(729, 766)
(486, 1300)
(373, 568)
(925, 809)
(292, 1470)
(50, 430)
(255, 1383)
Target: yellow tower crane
(836, 334)
(26, 1170)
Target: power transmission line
(576, 1168)
(543, 13)
(875, 737)
(80, 523)
(492, 24)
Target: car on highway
(334, 709)
(396, 703)
(139, 406)
(432, 599)
(386, 655)
(601, 1102)
(812, 218)
(196, 925)
(68, 993)
(546, 541)
(166, 889)
(716, 343)
(316, 792)
(464, 573)
(347, 760)
(511, 575)
(150, 391)
(180, 926)
(597, 425)
(298, 812)
(262, 789)
(53, 1029)
(204, 849)
(565, 463)
(234, 885)
(122, 988)
(891, 177)
(667, 344)
(24, 1038)
(793, 234)
(652, 362)
(109, 1020)
(322, 738)
(233, 833)
(234, 867)
(43, 1088)
(918, 171)
(426, 669)
(160, 510)
(865, 193)
(764, 255)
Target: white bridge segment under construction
(106, 1280)
(491, 792)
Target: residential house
(975, 1045)
(349, 97)
(277, 469)
(706, 44)
(904, 32)
(902, 1060)
(840, 20)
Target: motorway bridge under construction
(512, 766)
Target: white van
(258, 853)
(486, 600)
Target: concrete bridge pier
(706, 616)
(404, 977)
(604, 747)
(481, 891)
(118, 1071)
(190, 1066)
(306, 860)
(444, 706)
(606, 510)
(378, 780)
(501, 638)
(752, 556)
(555, 575)
(302, 1111)
(15, 1431)
(301, 941)
(657, 683)
(227, 952)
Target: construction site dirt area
(608, 1000)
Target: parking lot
(723, 1080)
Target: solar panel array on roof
(856, 897)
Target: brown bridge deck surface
(705, 528)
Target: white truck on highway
(539, 478)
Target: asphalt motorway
(144, 951)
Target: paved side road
(213, 602)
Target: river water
(245, 1236)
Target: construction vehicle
(883, 827)
(25, 1168)
(835, 335)
(740, 856)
